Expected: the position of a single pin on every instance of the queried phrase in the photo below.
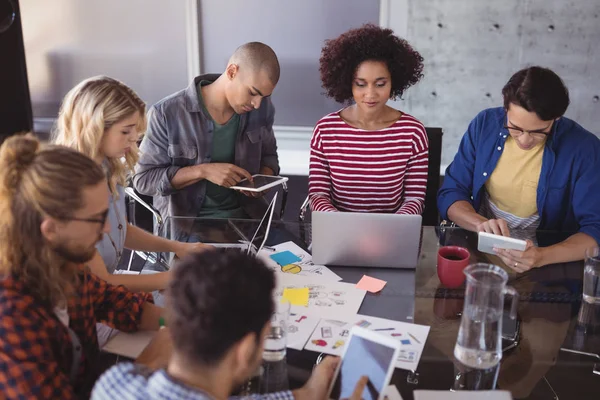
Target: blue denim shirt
(179, 135)
(568, 194)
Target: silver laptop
(366, 240)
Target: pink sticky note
(369, 284)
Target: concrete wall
(141, 42)
(472, 47)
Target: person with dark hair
(220, 306)
(525, 167)
(368, 157)
(54, 205)
(202, 140)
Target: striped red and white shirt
(356, 170)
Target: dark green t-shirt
(221, 202)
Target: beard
(74, 255)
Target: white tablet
(260, 183)
(366, 353)
(487, 242)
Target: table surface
(551, 313)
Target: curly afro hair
(341, 57)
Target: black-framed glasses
(539, 133)
(101, 220)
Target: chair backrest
(431, 215)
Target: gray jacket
(180, 135)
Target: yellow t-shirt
(512, 187)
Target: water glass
(591, 276)
(276, 340)
(466, 378)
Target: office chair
(132, 198)
(430, 213)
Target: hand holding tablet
(259, 183)
(369, 354)
(222, 174)
(495, 226)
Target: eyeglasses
(540, 134)
(101, 220)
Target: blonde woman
(103, 118)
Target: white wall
(296, 31)
(141, 42)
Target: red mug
(451, 262)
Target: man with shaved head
(204, 139)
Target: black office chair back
(430, 214)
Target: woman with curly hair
(368, 157)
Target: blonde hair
(89, 110)
(35, 183)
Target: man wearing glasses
(54, 203)
(525, 167)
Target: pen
(384, 329)
(414, 338)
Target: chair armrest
(303, 208)
(129, 191)
(284, 196)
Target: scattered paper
(391, 393)
(370, 284)
(285, 258)
(300, 327)
(462, 395)
(325, 299)
(129, 344)
(296, 296)
(304, 267)
(330, 336)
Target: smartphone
(487, 242)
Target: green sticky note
(296, 297)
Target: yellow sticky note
(296, 297)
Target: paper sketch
(129, 344)
(330, 337)
(299, 328)
(325, 299)
(304, 267)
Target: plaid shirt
(36, 352)
(136, 382)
